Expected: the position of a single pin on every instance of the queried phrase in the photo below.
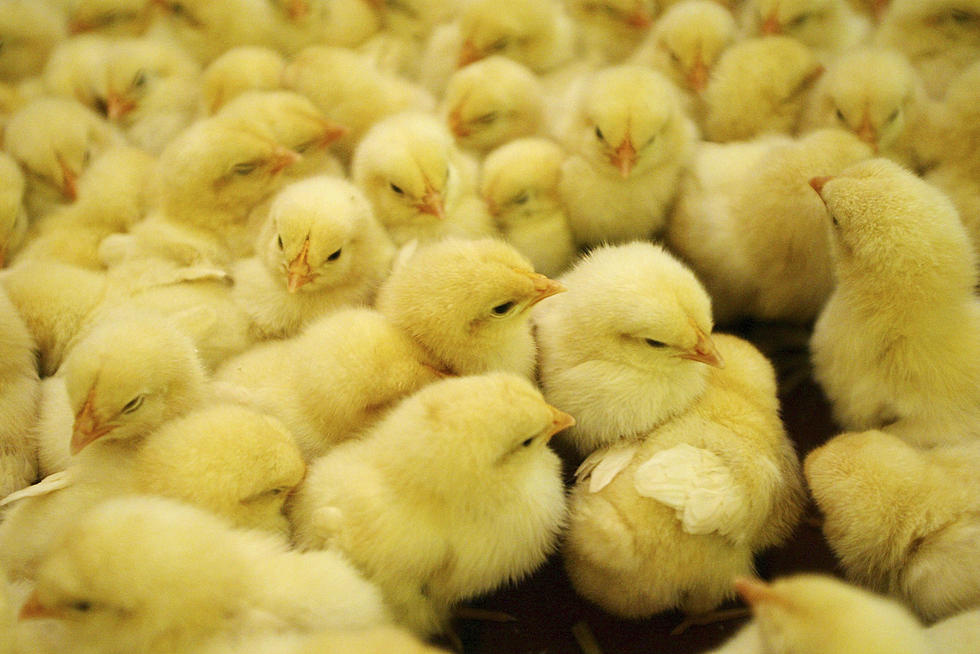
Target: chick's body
(19, 397)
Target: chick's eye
(334, 255)
(522, 198)
(528, 442)
(840, 115)
(133, 404)
(960, 16)
(279, 241)
(487, 119)
(397, 189)
(81, 605)
(139, 79)
(800, 20)
(503, 309)
(598, 134)
(245, 168)
(654, 343)
(498, 45)
(893, 116)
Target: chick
(240, 69)
(420, 185)
(628, 140)
(667, 521)
(876, 94)
(13, 215)
(112, 18)
(482, 441)
(912, 360)
(828, 26)
(493, 101)
(345, 23)
(613, 29)
(19, 397)
(811, 614)
(519, 183)
(398, 46)
(351, 89)
(321, 249)
(29, 31)
(626, 347)
(191, 578)
(76, 69)
(940, 37)
(759, 85)
(750, 227)
(206, 29)
(902, 520)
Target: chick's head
(522, 30)
(616, 15)
(467, 303)
(520, 180)
(812, 22)
(691, 35)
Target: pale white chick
(610, 30)
(902, 520)
(759, 85)
(753, 231)
(321, 249)
(205, 29)
(29, 30)
(876, 94)
(628, 139)
(628, 346)
(898, 342)
(830, 27)
(151, 575)
(818, 614)
(453, 494)
(519, 183)
(240, 69)
(667, 521)
(345, 23)
(13, 214)
(420, 184)
(19, 397)
(491, 102)
(940, 37)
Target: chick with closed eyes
(321, 249)
(461, 457)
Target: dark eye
(653, 343)
(279, 241)
(960, 16)
(528, 442)
(676, 59)
(833, 219)
(800, 20)
(139, 79)
(598, 134)
(133, 404)
(101, 106)
(487, 119)
(522, 198)
(334, 256)
(82, 606)
(498, 45)
(397, 189)
(893, 116)
(840, 115)
(503, 309)
(244, 168)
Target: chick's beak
(79, 25)
(298, 272)
(867, 133)
(118, 106)
(282, 158)
(624, 158)
(697, 77)
(704, 351)
(544, 287)
(753, 591)
(432, 204)
(457, 126)
(559, 421)
(468, 53)
(69, 183)
(332, 132)
(33, 608)
(297, 9)
(817, 184)
(87, 427)
(772, 26)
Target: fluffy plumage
(482, 441)
(828, 26)
(345, 23)
(30, 30)
(19, 396)
(115, 18)
(611, 30)
(206, 29)
(898, 342)
(238, 70)
(13, 215)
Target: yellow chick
(350, 88)
(830, 27)
(750, 227)
(205, 29)
(19, 397)
(628, 140)
(902, 520)
(13, 214)
(30, 30)
(667, 521)
(876, 94)
(759, 85)
(113, 18)
(898, 342)
(492, 101)
(611, 30)
(406, 26)
(519, 183)
(818, 614)
(482, 441)
(345, 23)
(321, 249)
(237, 70)
(940, 37)
(76, 69)
(155, 576)
(628, 346)
(420, 185)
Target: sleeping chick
(345, 23)
(519, 183)
(898, 342)
(818, 614)
(902, 520)
(29, 30)
(491, 102)
(876, 94)
(240, 69)
(759, 85)
(611, 30)
(19, 397)
(828, 26)
(748, 224)
(628, 140)
(940, 37)
(628, 346)
(321, 249)
(191, 578)
(205, 29)
(461, 457)
(13, 215)
(420, 185)
(667, 521)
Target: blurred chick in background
(830, 27)
(238, 70)
(610, 30)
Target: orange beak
(879, 7)
(867, 133)
(33, 608)
(282, 159)
(640, 19)
(69, 184)
(697, 77)
(817, 184)
(544, 287)
(118, 106)
(297, 9)
(559, 421)
(332, 132)
(78, 25)
(772, 26)
(432, 204)
(87, 427)
(468, 54)
(624, 158)
(457, 126)
(298, 272)
(753, 591)
(704, 351)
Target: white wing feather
(49, 484)
(602, 466)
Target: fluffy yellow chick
(29, 31)
(240, 69)
(628, 140)
(19, 397)
(76, 70)
(667, 521)
(519, 183)
(818, 614)
(483, 442)
(902, 520)
(612, 29)
(153, 575)
(751, 228)
(345, 23)
(492, 101)
(898, 342)
(321, 249)
(113, 18)
(759, 85)
(828, 26)
(351, 89)
(876, 94)
(13, 214)
(205, 29)
(628, 346)
(420, 185)
(940, 37)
